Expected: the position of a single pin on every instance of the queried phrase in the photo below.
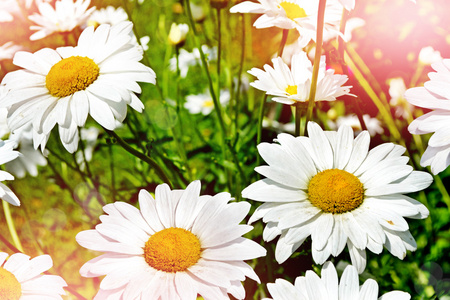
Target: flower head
(98, 77)
(109, 15)
(172, 248)
(327, 287)
(7, 154)
(291, 85)
(290, 14)
(331, 187)
(177, 34)
(203, 103)
(64, 17)
(8, 50)
(22, 278)
(435, 96)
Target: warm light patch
(293, 11)
(335, 191)
(291, 90)
(10, 288)
(71, 75)
(172, 250)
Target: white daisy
(327, 287)
(397, 89)
(98, 78)
(373, 124)
(290, 14)
(435, 96)
(178, 33)
(22, 278)
(64, 17)
(7, 154)
(330, 187)
(188, 59)
(109, 15)
(203, 103)
(8, 8)
(428, 56)
(8, 50)
(291, 85)
(172, 248)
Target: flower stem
(298, 117)
(283, 42)
(315, 75)
(11, 227)
(142, 156)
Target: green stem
(319, 40)
(260, 125)
(241, 67)
(11, 227)
(8, 244)
(298, 117)
(141, 156)
(441, 187)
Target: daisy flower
(327, 287)
(428, 56)
(64, 17)
(435, 96)
(63, 86)
(21, 278)
(8, 8)
(172, 248)
(203, 103)
(373, 124)
(8, 50)
(331, 187)
(7, 154)
(290, 14)
(109, 15)
(188, 59)
(291, 85)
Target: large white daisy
(331, 187)
(63, 86)
(178, 245)
(327, 287)
(290, 14)
(7, 154)
(435, 96)
(64, 17)
(291, 85)
(21, 278)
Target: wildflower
(330, 187)
(291, 85)
(428, 56)
(298, 14)
(434, 95)
(373, 124)
(203, 103)
(109, 15)
(97, 77)
(172, 247)
(7, 154)
(177, 34)
(326, 287)
(22, 278)
(8, 50)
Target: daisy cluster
(334, 192)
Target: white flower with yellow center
(327, 287)
(21, 278)
(7, 154)
(290, 14)
(434, 96)
(177, 246)
(330, 187)
(64, 17)
(109, 15)
(97, 78)
(203, 103)
(291, 85)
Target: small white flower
(64, 17)
(435, 96)
(188, 59)
(177, 246)
(290, 14)
(89, 136)
(177, 33)
(8, 8)
(7, 154)
(291, 85)
(327, 287)
(397, 89)
(97, 78)
(428, 56)
(352, 24)
(109, 15)
(373, 124)
(22, 278)
(203, 103)
(8, 50)
(331, 187)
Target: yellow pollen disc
(291, 89)
(335, 191)
(293, 11)
(172, 250)
(10, 288)
(71, 75)
(208, 103)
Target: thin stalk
(219, 48)
(298, 117)
(113, 177)
(83, 151)
(11, 227)
(141, 156)
(8, 244)
(260, 125)
(441, 187)
(319, 41)
(283, 42)
(241, 67)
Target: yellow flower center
(172, 250)
(208, 103)
(293, 11)
(291, 89)
(10, 288)
(335, 191)
(71, 75)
